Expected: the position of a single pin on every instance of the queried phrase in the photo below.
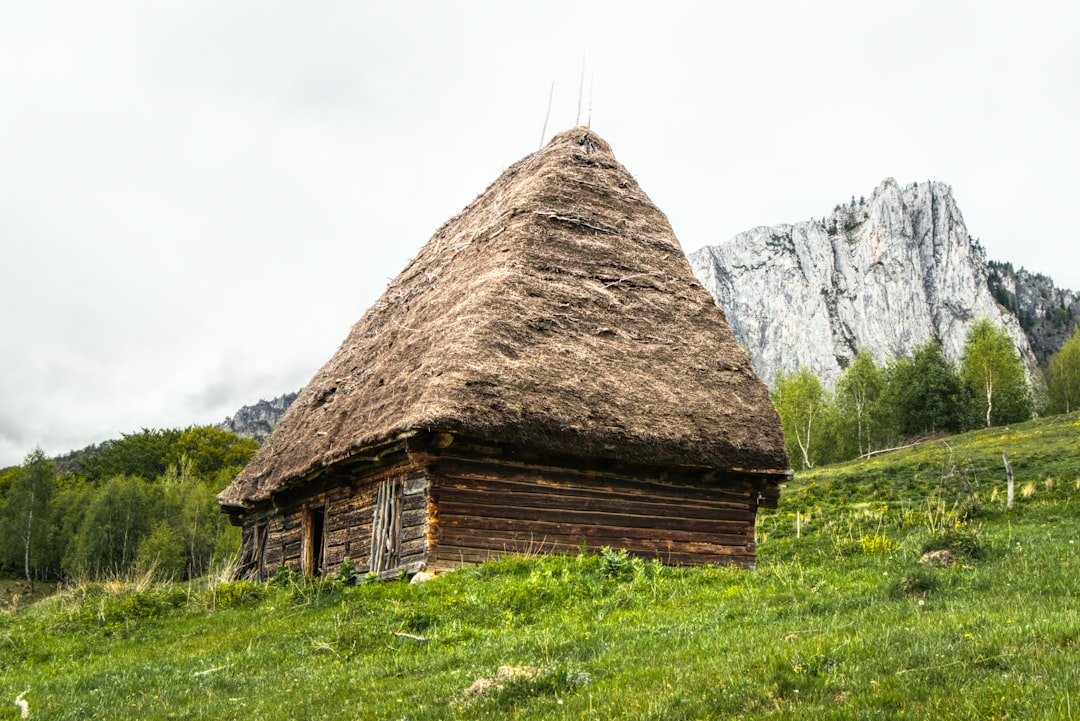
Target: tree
(69, 502)
(117, 517)
(994, 377)
(144, 454)
(1064, 386)
(212, 454)
(800, 401)
(7, 479)
(925, 392)
(860, 393)
(26, 524)
(162, 551)
(193, 513)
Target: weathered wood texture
(484, 510)
(348, 523)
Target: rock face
(256, 421)
(883, 274)
(1049, 315)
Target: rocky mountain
(256, 421)
(1048, 314)
(885, 274)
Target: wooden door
(386, 527)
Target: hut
(546, 375)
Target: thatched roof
(556, 312)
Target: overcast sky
(198, 199)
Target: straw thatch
(556, 312)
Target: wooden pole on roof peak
(547, 115)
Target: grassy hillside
(840, 620)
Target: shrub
(286, 577)
(877, 544)
(235, 593)
(346, 572)
(616, 565)
(140, 604)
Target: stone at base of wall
(422, 576)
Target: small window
(314, 541)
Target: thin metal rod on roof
(543, 132)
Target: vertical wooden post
(386, 527)
(798, 524)
(1009, 473)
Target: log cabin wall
(346, 506)
(483, 509)
(438, 509)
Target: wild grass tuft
(962, 540)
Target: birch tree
(1064, 385)
(800, 401)
(860, 394)
(26, 524)
(994, 377)
(117, 518)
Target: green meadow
(896, 587)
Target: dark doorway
(315, 541)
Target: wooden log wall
(440, 510)
(347, 530)
(483, 510)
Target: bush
(877, 544)
(286, 577)
(346, 573)
(152, 603)
(236, 593)
(616, 565)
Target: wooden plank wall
(347, 528)
(484, 510)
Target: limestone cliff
(885, 274)
(256, 421)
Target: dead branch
(889, 450)
(410, 636)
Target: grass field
(840, 620)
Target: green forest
(145, 502)
(877, 407)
